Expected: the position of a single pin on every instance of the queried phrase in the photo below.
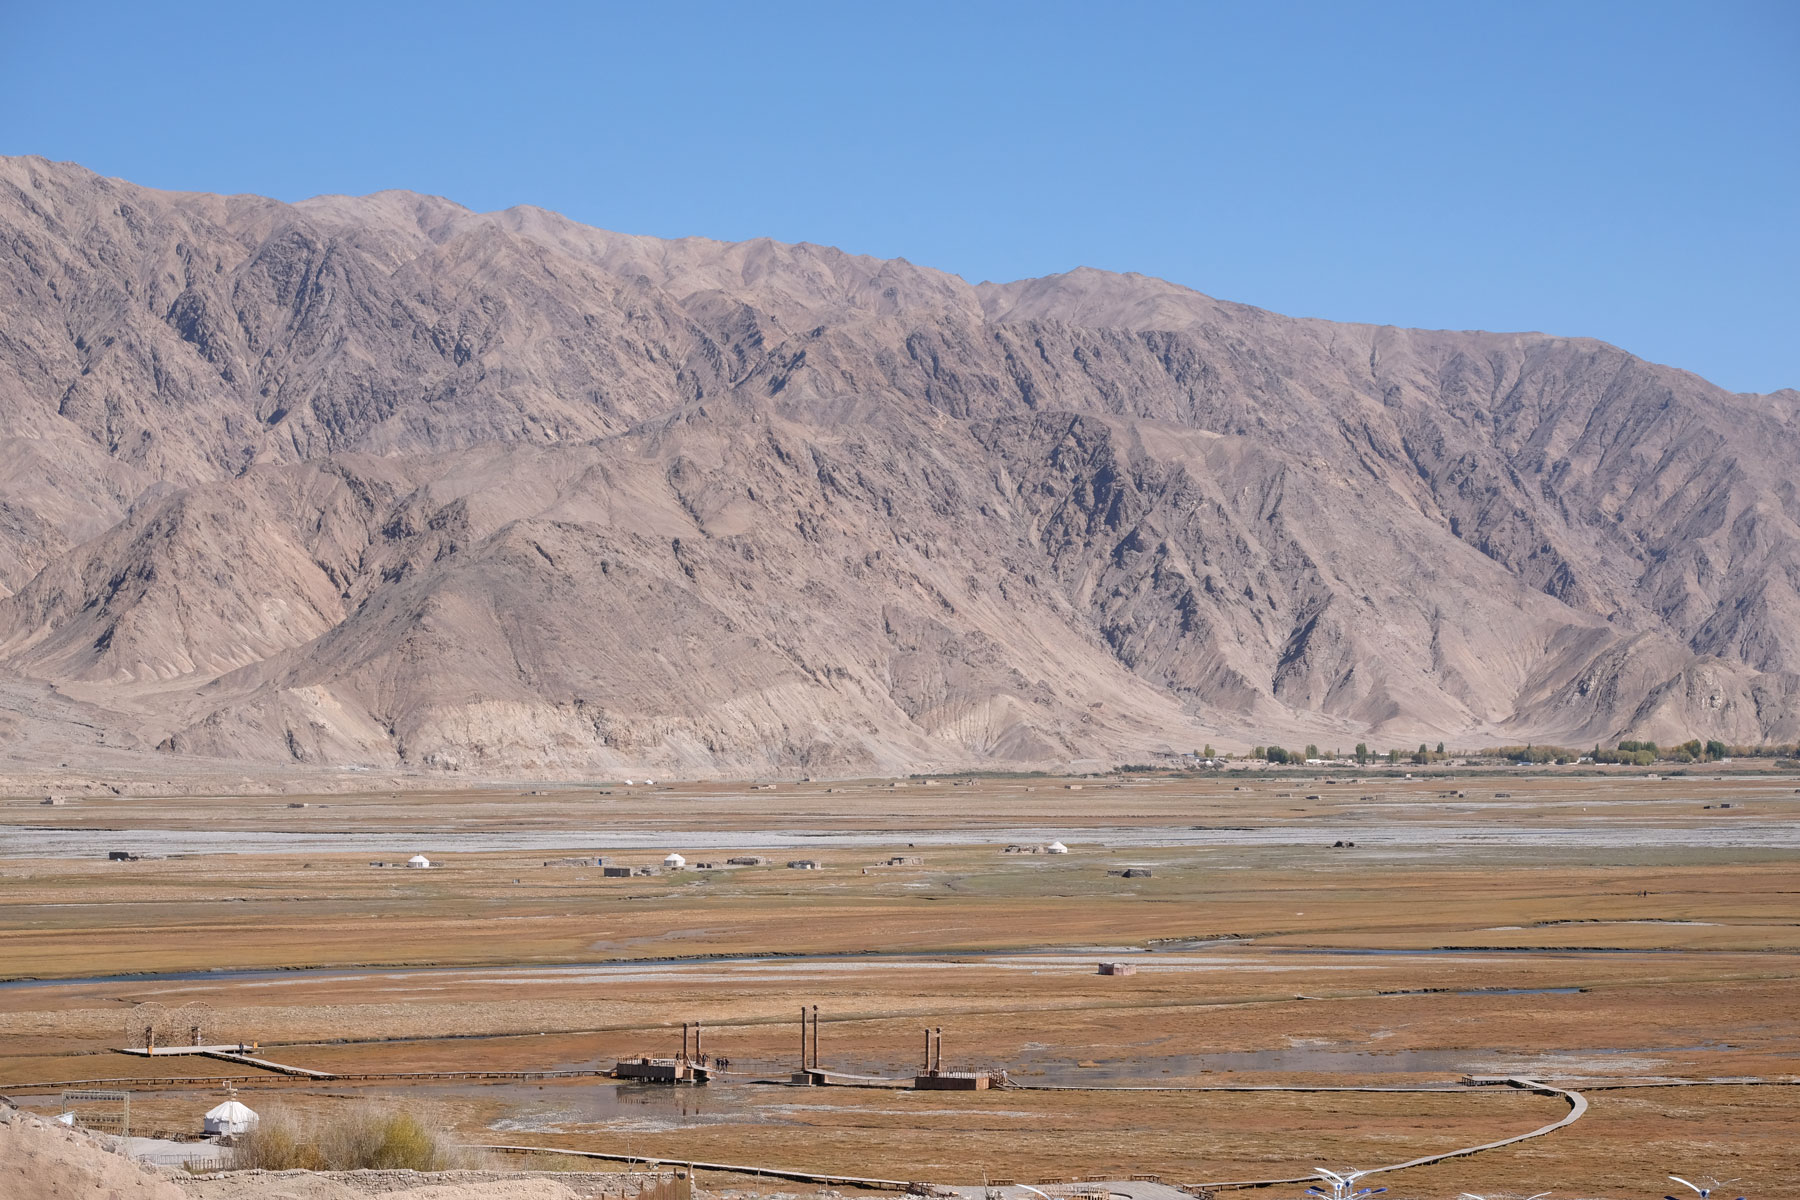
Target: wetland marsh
(1597, 933)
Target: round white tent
(674, 862)
(231, 1117)
(1056, 848)
(418, 860)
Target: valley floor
(1624, 938)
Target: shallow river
(1427, 837)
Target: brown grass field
(1613, 935)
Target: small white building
(418, 860)
(230, 1117)
(674, 862)
(1056, 848)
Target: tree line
(1362, 754)
(1629, 752)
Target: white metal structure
(1703, 1192)
(1343, 1187)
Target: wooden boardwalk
(163, 1051)
(236, 1053)
(734, 1168)
(1242, 1087)
(152, 1082)
(821, 1077)
(1578, 1106)
(265, 1064)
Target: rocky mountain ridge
(381, 481)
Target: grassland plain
(1593, 931)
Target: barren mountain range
(384, 482)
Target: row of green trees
(1640, 753)
(1779, 750)
(1279, 754)
(1645, 753)
(1630, 752)
(1362, 753)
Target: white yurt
(230, 1117)
(674, 862)
(1056, 848)
(418, 860)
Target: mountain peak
(384, 480)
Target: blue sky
(1614, 170)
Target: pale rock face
(383, 481)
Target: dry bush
(362, 1137)
(372, 1138)
(280, 1142)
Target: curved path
(177, 1082)
(1243, 1087)
(1578, 1106)
(734, 1168)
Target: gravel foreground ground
(42, 1160)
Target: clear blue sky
(1628, 171)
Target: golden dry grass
(1684, 957)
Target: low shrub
(363, 1137)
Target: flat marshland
(1619, 936)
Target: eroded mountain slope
(379, 480)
